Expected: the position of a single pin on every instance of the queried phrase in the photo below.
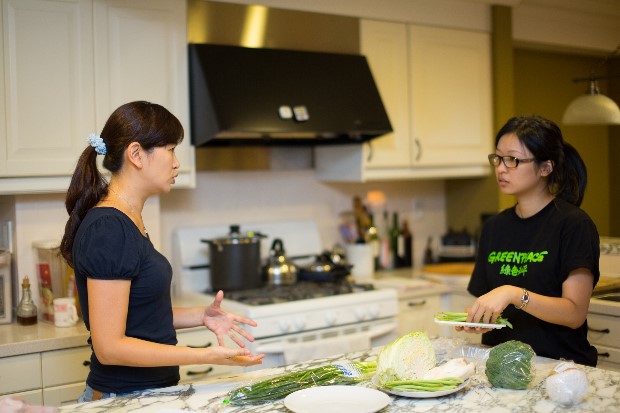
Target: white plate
(336, 399)
(419, 394)
(464, 324)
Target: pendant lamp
(593, 108)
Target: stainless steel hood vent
(252, 96)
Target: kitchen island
(478, 395)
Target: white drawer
(20, 373)
(65, 366)
(63, 395)
(604, 330)
(608, 357)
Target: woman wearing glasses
(537, 262)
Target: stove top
(302, 290)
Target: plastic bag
(277, 387)
(510, 365)
(567, 384)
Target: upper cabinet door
(385, 46)
(141, 54)
(450, 96)
(48, 86)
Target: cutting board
(450, 268)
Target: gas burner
(303, 290)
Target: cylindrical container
(361, 257)
(52, 273)
(65, 312)
(6, 301)
(235, 261)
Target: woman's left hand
(221, 322)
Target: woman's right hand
(232, 357)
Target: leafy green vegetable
(509, 365)
(462, 317)
(406, 358)
(277, 387)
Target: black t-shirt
(108, 246)
(537, 253)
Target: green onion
(462, 317)
(277, 387)
(448, 383)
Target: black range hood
(250, 96)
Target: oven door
(318, 344)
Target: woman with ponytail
(123, 283)
(538, 261)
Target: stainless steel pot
(234, 261)
(279, 270)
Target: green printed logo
(514, 263)
(514, 270)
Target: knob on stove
(330, 319)
(300, 323)
(373, 312)
(360, 314)
(284, 325)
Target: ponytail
(572, 183)
(86, 189)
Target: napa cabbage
(406, 358)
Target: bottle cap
(26, 282)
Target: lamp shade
(592, 109)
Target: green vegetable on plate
(447, 383)
(462, 318)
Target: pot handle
(277, 247)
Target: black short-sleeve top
(109, 246)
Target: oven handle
(373, 332)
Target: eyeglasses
(509, 161)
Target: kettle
(279, 270)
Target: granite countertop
(478, 395)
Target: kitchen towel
(297, 352)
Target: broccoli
(510, 365)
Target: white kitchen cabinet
(203, 338)
(604, 334)
(50, 378)
(141, 54)
(49, 86)
(436, 87)
(416, 314)
(67, 65)
(20, 373)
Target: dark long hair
(149, 124)
(543, 138)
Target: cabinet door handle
(418, 145)
(607, 355)
(86, 363)
(203, 346)
(200, 373)
(416, 303)
(603, 331)
(370, 152)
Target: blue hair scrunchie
(96, 142)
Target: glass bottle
(26, 310)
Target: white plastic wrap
(567, 384)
